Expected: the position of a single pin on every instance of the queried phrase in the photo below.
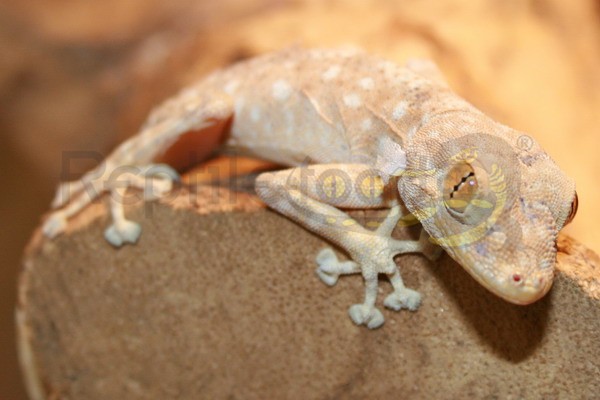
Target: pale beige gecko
(361, 132)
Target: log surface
(219, 300)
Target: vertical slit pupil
(462, 181)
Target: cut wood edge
(29, 369)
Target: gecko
(352, 131)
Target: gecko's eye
(460, 187)
(574, 205)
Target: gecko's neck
(430, 106)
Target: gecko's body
(327, 106)
(376, 135)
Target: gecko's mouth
(516, 288)
(527, 293)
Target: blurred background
(81, 76)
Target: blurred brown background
(79, 75)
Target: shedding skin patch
(352, 100)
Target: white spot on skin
(331, 73)
(399, 110)
(239, 104)
(352, 100)
(388, 68)
(367, 83)
(366, 124)
(434, 134)
(281, 90)
(498, 238)
(231, 87)
(255, 113)
(411, 132)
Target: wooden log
(219, 300)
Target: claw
(362, 314)
(124, 232)
(404, 298)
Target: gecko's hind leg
(155, 180)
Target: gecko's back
(301, 106)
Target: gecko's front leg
(304, 195)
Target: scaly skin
(362, 132)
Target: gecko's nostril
(517, 278)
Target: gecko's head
(493, 199)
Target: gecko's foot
(123, 232)
(55, 225)
(403, 298)
(362, 314)
(330, 267)
(327, 263)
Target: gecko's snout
(525, 290)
